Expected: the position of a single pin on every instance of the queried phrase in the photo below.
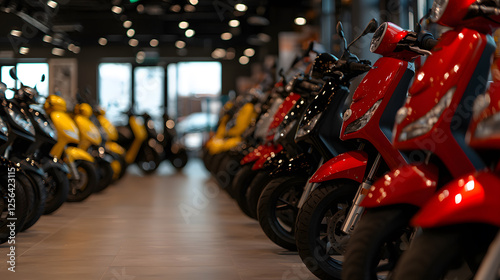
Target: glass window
(6, 79)
(149, 92)
(199, 78)
(29, 74)
(172, 89)
(115, 89)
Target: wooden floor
(166, 226)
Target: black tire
(439, 252)
(57, 189)
(228, 170)
(180, 159)
(216, 162)
(259, 182)
(148, 159)
(105, 175)
(81, 189)
(40, 195)
(21, 206)
(318, 243)
(277, 210)
(380, 235)
(240, 185)
(206, 156)
(124, 166)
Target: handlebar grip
(429, 43)
(355, 66)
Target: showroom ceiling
(84, 22)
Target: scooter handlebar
(356, 66)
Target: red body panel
(379, 83)
(472, 198)
(431, 85)
(393, 34)
(457, 10)
(261, 160)
(409, 184)
(283, 110)
(349, 165)
(256, 153)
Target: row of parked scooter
(398, 178)
(50, 155)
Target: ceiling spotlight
(300, 21)
(218, 53)
(76, 49)
(234, 23)
(189, 8)
(52, 4)
(249, 52)
(116, 9)
(127, 24)
(230, 54)
(193, 2)
(154, 43)
(58, 51)
(139, 58)
(241, 7)
(180, 44)
(103, 41)
(244, 60)
(47, 39)
(183, 24)
(175, 8)
(24, 50)
(71, 46)
(133, 42)
(226, 36)
(130, 32)
(16, 33)
(140, 8)
(189, 33)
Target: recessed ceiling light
(300, 21)
(193, 2)
(130, 32)
(189, 33)
(58, 51)
(240, 7)
(116, 9)
(175, 8)
(127, 24)
(16, 33)
(180, 44)
(52, 4)
(140, 8)
(244, 60)
(154, 43)
(183, 24)
(189, 8)
(249, 52)
(24, 50)
(103, 41)
(47, 38)
(226, 36)
(234, 23)
(133, 42)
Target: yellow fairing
(117, 168)
(89, 133)
(246, 115)
(75, 153)
(140, 134)
(67, 131)
(54, 103)
(109, 128)
(83, 109)
(115, 148)
(222, 145)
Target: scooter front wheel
(19, 200)
(38, 187)
(380, 237)
(320, 240)
(277, 210)
(57, 188)
(148, 159)
(85, 185)
(179, 160)
(451, 252)
(105, 173)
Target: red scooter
(461, 220)
(331, 210)
(431, 130)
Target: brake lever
(419, 50)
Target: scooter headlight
(306, 128)
(284, 131)
(4, 128)
(72, 134)
(21, 120)
(361, 122)
(45, 126)
(425, 123)
(438, 9)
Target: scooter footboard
(410, 184)
(349, 165)
(75, 153)
(470, 199)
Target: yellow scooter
(91, 141)
(83, 174)
(132, 137)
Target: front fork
(356, 210)
(72, 168)
(308, 189)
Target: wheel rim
(50, 186)
(4, 207)
(78, 186)
(285, 211)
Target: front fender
(471, 198)
(409, 184)
(75, 153)
(48, 163)
(350, 165)
(29, 166)
(255, 154)
(260, 161)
